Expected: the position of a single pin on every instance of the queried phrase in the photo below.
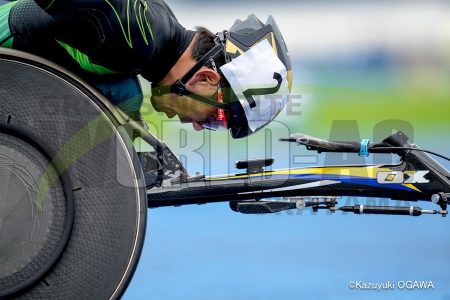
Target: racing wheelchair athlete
(74, 184)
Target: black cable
(411, 148)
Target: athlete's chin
(185, 120)
(197, 126)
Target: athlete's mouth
(197, 125)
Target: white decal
(397, 177)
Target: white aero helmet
(257, 72)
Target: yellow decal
(390, 177)
(232, 48)
(289, 78)
(365, 172)
(409, 185)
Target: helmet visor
(214, 126)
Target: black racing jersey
(101, 36)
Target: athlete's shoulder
(28, 21)
(67, 7)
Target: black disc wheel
(72, 194)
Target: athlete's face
(189, 110)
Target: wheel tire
(72, 195)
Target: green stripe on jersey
(6, 39)
(84, 61)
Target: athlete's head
(238, 79)
(203, 82)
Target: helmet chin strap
(179, 87)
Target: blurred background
(361, 70)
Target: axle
(390, 210)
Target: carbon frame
(416, 178)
